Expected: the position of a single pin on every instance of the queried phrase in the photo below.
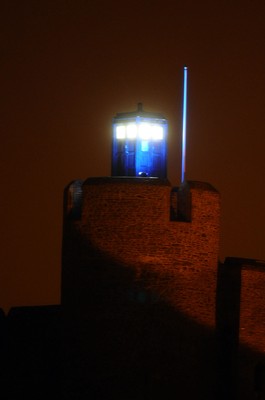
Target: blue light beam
(184, 124)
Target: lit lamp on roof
(139, 144)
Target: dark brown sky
(67, 67)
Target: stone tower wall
(252, 309)
(140, 261)
(252, 331)
(127, 220)
(139, 287)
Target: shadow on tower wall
(122, 339)
(227, 329)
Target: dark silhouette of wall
(32, 355)
(227, 329)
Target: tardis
(139, 144)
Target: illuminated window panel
(131, 131)
(120, 132)
(157, 132)
(144, 131)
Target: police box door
(123, 162)
(149, 159)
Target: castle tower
(139, 270)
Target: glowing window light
(131, 131)
(157, 132)
(144, 145)
(120, 132)
(144, 131)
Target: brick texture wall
(128, 220)
(252, 310)
(139, 287)
(140, 264)
(252, 332)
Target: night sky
(68, 66)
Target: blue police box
(139, 144)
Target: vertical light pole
(184, 123)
